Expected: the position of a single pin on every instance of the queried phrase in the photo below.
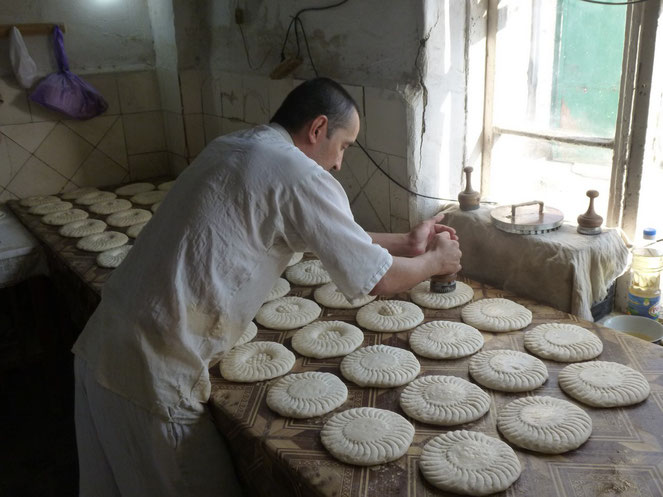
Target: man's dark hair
(315, 97)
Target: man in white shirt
(198, 273)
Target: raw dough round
(149, 198)
(84, 227)
(444, 400)
(280, 289)
(308, 273)
(38, 200)
(389, 315)
(134, 230)
(166, 186)
(366, 436)
(50, 208)
(288, 313)
(79, 192)
(469, 463)
(113, 257)
(604, 384)
(496, 315)
(256, 361)
(563, 342)
(95, 197)
(134, 189)
(445, 340)
(110, 206)
(324, 339)
(155, 207)
(306, 395)
(508, 370)
(544, 424)
(296, 257)
(128, 218)
(102, 241)
(64, 217)
(380, 366)
(249, 334)
(422, 295)
(330, 296)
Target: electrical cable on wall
(614, 3)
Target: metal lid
(649, 232)
(515, 219)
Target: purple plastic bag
(65, 92)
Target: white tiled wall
(42, 151)
(215, 104)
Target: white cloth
(24, 67)
(125, 451)
(207, 260)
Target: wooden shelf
(30, 29)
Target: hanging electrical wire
(614, 3)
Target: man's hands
(421, 236)
(445, 252)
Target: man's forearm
(397, 244)
(405, 273)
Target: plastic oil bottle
(644, 292)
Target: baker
(196, 277)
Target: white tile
(113, 144)
(150, 165)
(144, 132)
(63, 150)
(36, 178)
(213, 127)
(169, 90)
(399, 225)
(7, 195)
(176, 164)
(356, 92)
(386, 121)
(138, 91)
(106, 84)
(210, 95)
(99, 170)
(256, 100)
(175, 141)
(39, 113)
(30, 135)
(356, 162)
(232, 95)
(191, 82)
(195, 133)
(348, 182)
(14, 109)
(92, 130)
(365, 214)
(232, 125)
(377, 192)
(278, 89)
(12, 157)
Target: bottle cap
(649, 232)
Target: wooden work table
(277, 456)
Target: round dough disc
(79, 192)
(445, 340)
(38, 200)
(166, 186)
(604, 384)
(366, 436)
(155, 207)
(469, 463)
(389, 315)
(296, 257)
(444, 400)
(64, 217)
(134, 230)
(288, 313)
(496, 315)
(249, 334)
(508, 370)
(563, 342)
(330, 296)
(50, 208)
(134, 189)
(110, 206)
(324, 339)
(422, 296)
(306, 395)
(128, 218)
(94, 197)
(544, 424)
(256, 361)
(85, 227)
(102, 241)
(280, 289)
(149, 198)
(380, 366)
(308, 273)
(113, 257)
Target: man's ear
(317, 128)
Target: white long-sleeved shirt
(204, 264)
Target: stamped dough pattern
(324, 339)
(563, 342)
(389, 316)
(305, 395)
(330, 296)
(508, 370)
(288, 313)
(422, 295)
(256, 361)
(308, 273)
(445, 340)
(496, 315)
(64, 217)
(380, 366)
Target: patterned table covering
(277, 456)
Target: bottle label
(648, 307)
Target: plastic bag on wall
(65, 92)
(24, 67)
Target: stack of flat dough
(389, 316)
(469, 463)
(563, 342)
(288, 313)
(306, 395)
(380, 366)
(508, 370)
(422, 295)
(366, 436)
(496, 315)
(445, 340)
(256, 361)
(324, 339)
(330, 296)
(308, 273)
